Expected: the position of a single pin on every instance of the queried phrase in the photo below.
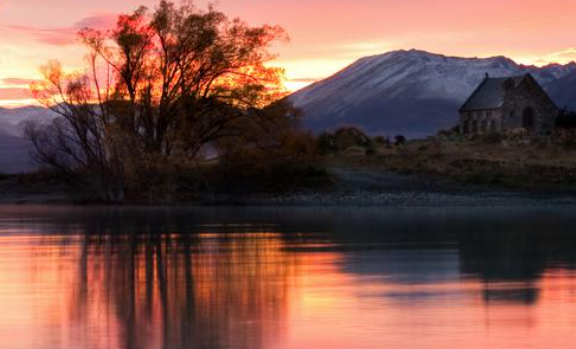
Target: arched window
(528, 118)
(493, 127)
(484, 126)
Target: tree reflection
(182, 291)
(511, 263)
(223, 281)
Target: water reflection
(180, 291)
(174, 279)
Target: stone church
(502, 104)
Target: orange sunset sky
(326, 35)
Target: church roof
(490, 93)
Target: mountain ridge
(412, 92)
(14, 147)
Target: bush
(342, 139)
(371, 150)
(399, 140)
(288, 163)
(347, 137)
(566, 120)
(564, 136)
(382, 141)
(491, 138)
(326, 143)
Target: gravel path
(373, 187)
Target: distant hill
(14, 148)
(14, 155)
(414, 93)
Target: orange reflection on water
(265, 290)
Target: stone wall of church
(528, 107)
(525, 106)
(481, 121)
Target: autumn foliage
(166, 91)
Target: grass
(521, 164)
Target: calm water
(98, 278)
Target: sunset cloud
(67, 35)
(51, 36)
(565, 56)
(326, 35)
(17, 81)
(15, 93)
(561, 57)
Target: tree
(159, 85)
(81, 143)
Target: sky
(326, 35)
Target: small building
(508, 103)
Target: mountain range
(14, 148)
(415, 93)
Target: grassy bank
(372, 173)
(528, 164)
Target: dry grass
(525, 164)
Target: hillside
(14, 148)
(414, 93)
(14, 154)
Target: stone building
(502, 104)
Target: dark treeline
(173, 100)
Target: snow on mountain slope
(414, 93)
(563, 90)
(9, 129)
(14, 148)
(20, 116)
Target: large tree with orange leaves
(160, 83)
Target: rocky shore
(352, 187)
(400, 200)
(372, 187)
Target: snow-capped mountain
(414, 93)
(14, 148)
(18, 117)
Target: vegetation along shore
(180, 106)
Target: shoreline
(358, 187)
(421, 199)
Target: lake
(281, 278)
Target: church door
(528, 119)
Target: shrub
(371, 150)
(326, 143)
(248, 165)
(516, 135)
(491, 138)
(342, 139)
(381, 141)
(399, 140)
(347, 137)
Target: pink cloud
(101, 22)
(17, 81)
(52, 36)
(15, 93)
(67, 35)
